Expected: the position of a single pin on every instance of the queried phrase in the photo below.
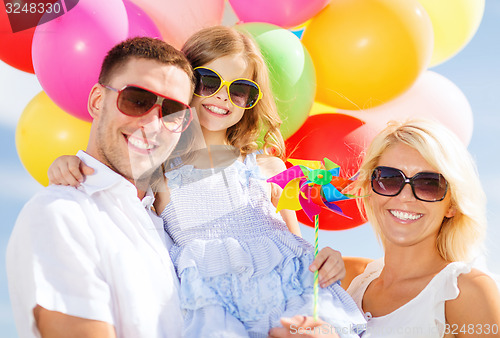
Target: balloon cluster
(340, 69)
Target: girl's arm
(476, 310)
(270, 166)
(68, 170)
(162, 195)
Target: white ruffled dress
(239, 266)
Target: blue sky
(475, 70)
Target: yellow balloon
(454, 23)
(366, 52)
(320, 108)
(45, 132)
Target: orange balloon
(45, 132)
(366, 52)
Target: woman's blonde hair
(214, 42)
(460, 237)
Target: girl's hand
(330, 266)
(68, 170)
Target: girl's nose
(223, 94)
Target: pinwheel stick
(316, 230)
(312, 186)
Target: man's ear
(95, 101)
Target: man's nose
(152, 120)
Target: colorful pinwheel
(311, 186)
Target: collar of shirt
(104, 178)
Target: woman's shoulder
(476, 284)
(478, 300)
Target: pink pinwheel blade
(286, 176)
(310, 208)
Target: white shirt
(95, 252)
(423, 316)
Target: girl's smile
(218, 111)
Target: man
(93, 261)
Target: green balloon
(291, 70)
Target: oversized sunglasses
(243, 93)
(426, 186)
(137, 101)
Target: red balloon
(342, 139)
(15, 48)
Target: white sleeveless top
(423, 316)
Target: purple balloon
(68, 51)
(139, 23)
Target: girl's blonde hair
(214, 42)
(460, 237)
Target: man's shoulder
(57, 193)
(54, 201)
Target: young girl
(242, 266)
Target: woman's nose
(407, 192)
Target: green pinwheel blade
(305, 170)
(329, 165)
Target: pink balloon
(68, 51)
(139, 23)
(433, 97)
(178, 20)
(284, 13)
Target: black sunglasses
(426, 186)
(137, 101)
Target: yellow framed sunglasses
(242, 93)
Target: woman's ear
(452, 210)
(95, 101)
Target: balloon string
(316, 229)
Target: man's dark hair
(144, 48)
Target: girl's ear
(95, 101)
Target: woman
(421, 193)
